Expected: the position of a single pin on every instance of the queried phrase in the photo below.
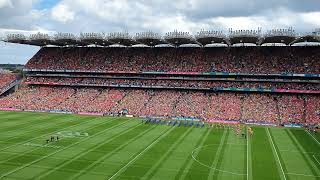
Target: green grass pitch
(93, 148)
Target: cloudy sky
(50, 16)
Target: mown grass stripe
(185, 169)
(220, 159)
(142, 152)
(21, 155)
(313, 137)
(117, 149)
(59, 150)
(18, 122)
(43, 123)
(217, 155)
(170, 167)
(45, 134)
(14, 117)
(299, 138)
(155, 152)
(276, 153)
(166, 155)
(249, 158)
(84, 153)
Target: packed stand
(237, 59)
(261, 108)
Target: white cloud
(157, 15)
(5, 4)
(62, 13)
(312, 18)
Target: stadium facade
(259, 84)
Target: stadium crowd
(268, 108)
(91, 92)
(242, 59)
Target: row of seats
(242, 59)
(173, 83)
(262, 108)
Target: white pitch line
(316, 159)
(307, 175)
(55, 152)
(313, 137)
(274, 148)
(29, 140)
(150, 145)
(247, 155)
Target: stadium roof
(175, 38)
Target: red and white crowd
(78, 94)
(241, 59)
(270, 108)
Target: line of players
(238, 128)
(52, 139)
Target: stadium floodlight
(16, 37)
(290, 32)
(205, 37)
(147, 35)
(60, 36)
(208, 34)
(84, 36)
(244, 33)
(178, 35)
(39, 36)
(119, 35)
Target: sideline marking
(42, 135)
(247, 153)
(313, 137)
(303, 152)
(55, 152)
(302, 175)
(274, 148)
(316, 159)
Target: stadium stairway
(10, 86)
